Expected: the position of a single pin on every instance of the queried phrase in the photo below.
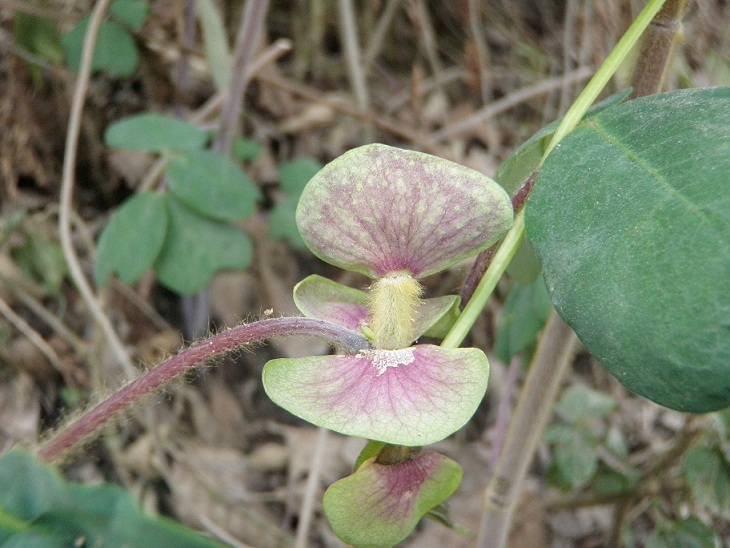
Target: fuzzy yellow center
(393, 302)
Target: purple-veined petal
(380, 505)
(414, 396)
(319, 297)
(378, 209)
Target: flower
(395, 216)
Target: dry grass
(465, 80)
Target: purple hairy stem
(484, 259)
(188, 359)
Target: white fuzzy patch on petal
(383, 359)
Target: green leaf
(523, 161)
(132, 239)
(524, 267)
(38, 508)
(707, 474)
(38, 35)
(580, 403)
(687, 533)
(295, 175)
(42, 260)
(132, 13)
(611, 483)
(115, 52)
(525, 312)
(150, 132)
(215, 42)
(196, 248)
(245, 150)
(282, 222)
(212, 185)
(574, 456)
(631, 223)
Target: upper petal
(379, 209)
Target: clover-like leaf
(413, 396)
(196, 248)
(211, 185)
(132, 239)
(378, 209)
(380, 505)
(319, 297)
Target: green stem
(607, 69)
(474, 307)
(571, 119)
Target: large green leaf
(211, 185)
(132, 239)
(196, 248)
(38, 508)
(631, 223)
(524, 266)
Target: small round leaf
(196, 248)
(132, 239)
(211, 185)
(150, 132)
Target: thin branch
(571, 9)
(477, 34)
(348, 31)
(552, 360)
(504, 409)
(67, 187)
(510, 101)
(484, 259)
(377, 39)
(79, 346)
(252, 23)
(32, 335)
(198, 354)
(657, 48)
(196, 307)
(314, 95)
(307, 510)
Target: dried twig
(67, 187)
